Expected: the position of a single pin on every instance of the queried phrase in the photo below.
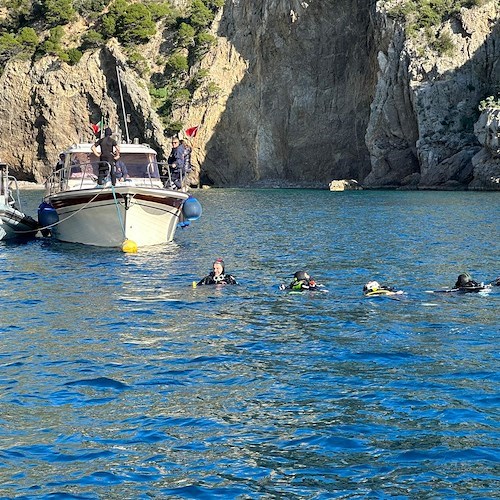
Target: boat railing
(84, 175)
(14, 198)
(74, 176)
(9, 188)
(166, 171)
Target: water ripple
(120, 380)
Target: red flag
(191, 132)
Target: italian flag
(97, 127)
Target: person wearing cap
(301, 281)
(218, 276)
(110, 151)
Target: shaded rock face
(421, 129)
(299, 112)
(309, 92)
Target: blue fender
(191, 209)
(47, 215)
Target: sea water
(120, 380)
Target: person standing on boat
(60, 162)
(176, 163)
(110, 151)
(187, 155)
(218, 276)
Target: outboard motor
(47, 216)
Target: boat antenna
(123, 105)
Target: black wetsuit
(222, 279)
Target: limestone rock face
(47, 106)
(307, 92)
(486, 163)
(297, 80)
(344, 185)
(421, 129)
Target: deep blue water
(119, 380)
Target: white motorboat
(138, 208)
(14, 223)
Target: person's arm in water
(230, 280)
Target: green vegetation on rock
(426, 16)
(32, 29)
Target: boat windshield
(138, 165)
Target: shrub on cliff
(135, 25)
(418, 14)
(91, 39)
(130, 23)
(58, 12)
(90, 8)
(201, 15)
(185, 35)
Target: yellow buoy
(129, 246)
(195, 284)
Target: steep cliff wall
(308, 92)
(298, 80)
(48, 105)
(421, 129)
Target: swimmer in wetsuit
(218, 276)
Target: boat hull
(106, 217)
(15, 224)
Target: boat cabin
(81, 167)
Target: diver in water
(374, 288)
(301, 281)
(218, 276)
(465, 283)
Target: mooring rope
(66, 218)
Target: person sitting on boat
(110, 151)
(218, 276)
(176, 164)
(465, 283)
(301, 281)
(374, 288)
(121, 171)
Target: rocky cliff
(421, 129)
(309, 92)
